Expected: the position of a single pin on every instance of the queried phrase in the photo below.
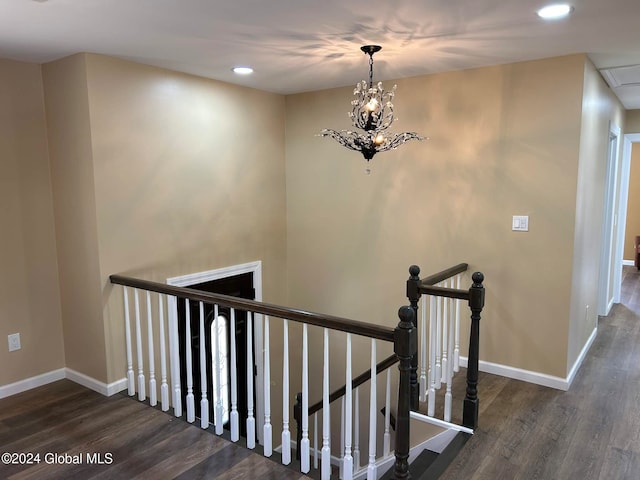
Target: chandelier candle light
(372, 112)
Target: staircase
(427, 353)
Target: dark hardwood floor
(591, 431)
(131, 440)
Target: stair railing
(403, 338)
(439, 334)
(339, 393)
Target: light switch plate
(14, 342)
(520, 223)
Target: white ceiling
(303, 45)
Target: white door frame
(629, 139)
(606, 296)
(200, 277)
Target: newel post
(405, 346)
(476, 303)
(413, 294)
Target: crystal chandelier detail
(372, 112)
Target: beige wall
(69, 134)
(503, 141)
(633, 205)
(29, 289)
(632, 121)
(154, 174)
(600, 109)
(632, 125)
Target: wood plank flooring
(590, 432)
(134, 441)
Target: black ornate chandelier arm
(398, 139)
(346, 138)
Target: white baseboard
(581, 357)
(536, 377)
(59, 374)
(631, 263)
(32, 382)
(96, 385)
(520, 374)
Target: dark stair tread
(444, 459)
(430, 465)
(420, 464)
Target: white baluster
(141, 381)
(348, 458)
(386, 445)
(251, 421)
(153, 394)
(433, 340)
(356, 429)
(191, 408)
(423, 351)
(164, 387)
(286, 434)
(342, 427)
(456, 348)
(315, 440)
(445, 334)
(204, 401)
(304, 444)
(233, 416)
(174, 356)
(267, 429)
(372, 471)
(131, 384)
(219, 406)
(438, 343)
(447, 396)
(325, 471)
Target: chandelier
(372, 112)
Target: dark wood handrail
(327, 321)
(444, 274)
(444, 292)
(356, 382)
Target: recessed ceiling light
(555, 11)
(242, 70)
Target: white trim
(200, 277)
(440, 423)
(96, 385)
(581, 357)
(31, 382)
(608, 253)
(630, 263)
(520, 374)
(535, 377)
(60, 374)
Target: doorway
(629, 140)
(243, 280)
(217, 341)
(606, 290)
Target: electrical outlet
(14, 342)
